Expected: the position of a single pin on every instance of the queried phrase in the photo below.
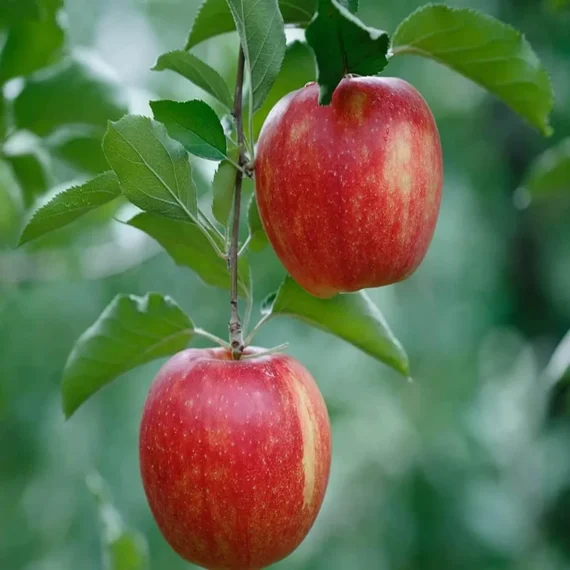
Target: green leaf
(298, 69)
(342, 45)
(31, 45)
(73, 93)
(71, 204)
(188, 246)
(350, 316)
(558, 5)
(16, 12)
(262, 35)
(214, 18)
(123, 548)
(550, 172)
(30, 170)
(154, 171)
(223, 186)
(130, 331)
(258, 237)
(194, 124)
(485, 50)
(198, 72)
(80, 147)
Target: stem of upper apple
(236, 334)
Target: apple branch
(235, 328)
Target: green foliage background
(457, 470)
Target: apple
(234, 456)
(349, 193)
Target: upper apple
(349, 193)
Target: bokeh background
(460, 469)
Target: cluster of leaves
(59, 112)
(148, 162)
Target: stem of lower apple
(236, 334)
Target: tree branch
(235, 328)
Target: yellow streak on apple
(308, 431)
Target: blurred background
(463, 468)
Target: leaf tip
(159, 65)
(325, 96)
(24, 238)
(68, 405)
(403, 367)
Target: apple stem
(236, 334)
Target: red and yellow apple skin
(234, 456)
(349, 193)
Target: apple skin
(234, 456)
(349, 193)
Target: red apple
(234, 456)
(349, 193)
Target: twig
(235, 328)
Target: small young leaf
(350, 316)
(71, 204)
(214, 18)
(297, 70)
(258, 238)
(262, 34)
(194, 124)
(342, 45)
(485, 50)
(30, 170)
(31, 45)
(559, 366)
(80, 147)
(223, 186)
(558, 377)
(154, 171)
(188, 246)
(130, 331)
(73, 93)
(198, 72)
(123, 548)
(2, 115)
(550, 172)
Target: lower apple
(234, 456)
